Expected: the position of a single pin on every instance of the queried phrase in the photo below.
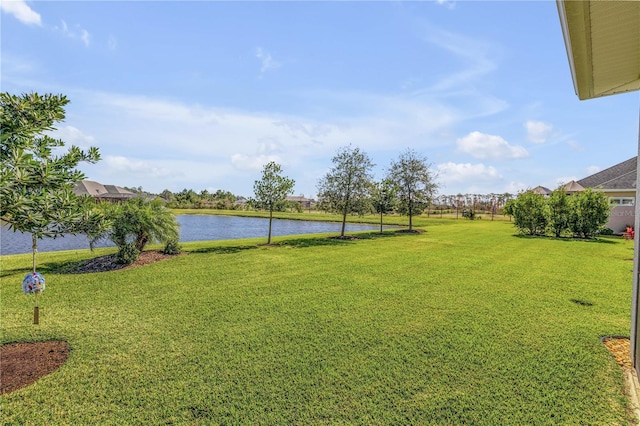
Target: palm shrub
(172, 247)
(137, 222)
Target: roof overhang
(602, 38)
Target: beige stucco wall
(621, 217)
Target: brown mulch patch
(620, 347)
(108, 263)
(23, 363)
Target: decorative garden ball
(33, 283)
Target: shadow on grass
(599, 240)
(222, 250)
(45, 268)
(581, 302)
(7, 272)
(334, 240)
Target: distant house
(102, 192)
(306, 203)
(619, 184)
(541, 190)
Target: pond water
(192, 228)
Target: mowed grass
(464, 324)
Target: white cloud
(252, 162)
(538, 131)
(120, 164)
(475, 53)
(592, 170)
(483, 146)
(574, 145)
(74, 33)
(515, 187)
(467, 175)
(112, 43)
(85, 37)
(266, 60)
(564, 180)
(21, 11)
(449, 4)
(73, 136)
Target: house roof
(620, 176)
(573, 186)
(602, 39)
(298, 198)
(541, 190)
(98, 190)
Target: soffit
(603, 45)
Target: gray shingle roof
(98, 190)
(620, 176)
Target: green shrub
(469, 214)
(606, 231)
(127, 254)
(172, 247)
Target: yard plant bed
(108, 263)
(23, 363)
(463, 324)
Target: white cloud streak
(21, 11)
(77, 33)
(266, 60)
(483, 146)
(538, 131)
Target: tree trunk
(410, 216)
(381, 221)
(141, 241)
(34, 248)
(344, 222)
(270, 221)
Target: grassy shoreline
(464, 324)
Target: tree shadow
(334, 240)
(222, 250)
(598, 240)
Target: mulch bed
(23, 363)
(108, 263)
(620, 347)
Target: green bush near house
(466, 323)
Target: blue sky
(201, 95)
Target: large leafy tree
(416, 183)
(345, 188)
(271, 190)
(36, 176)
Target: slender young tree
(383, 196)
(271, 190)
(36, 184)
(415, 182)
(345, 188)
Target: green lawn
(464, 324)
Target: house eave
(602, 39)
